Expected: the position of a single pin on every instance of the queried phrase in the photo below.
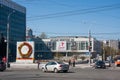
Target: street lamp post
(8, 28)
(89, 48)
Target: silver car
(107, 63)
(55, 66)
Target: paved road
(73, 74)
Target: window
(86, 45)
(53, 45)
(68, 46)
(83, 45)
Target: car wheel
(55, 70)
(43, 70)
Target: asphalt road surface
(73, 74)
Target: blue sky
(71, 19)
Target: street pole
(89, 48)
(8, 29)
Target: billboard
(25, 52)
(61, 46)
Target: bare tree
(43, 35)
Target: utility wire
(76, 12)
(95, 35)
(53, 1)
(81, 10)
(56, 33)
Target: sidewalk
(83, 66)
(16, 66)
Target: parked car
(107, 64)
(100, 64)
(117, 62)
(2, 66)
(55, 66)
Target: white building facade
(71, 45)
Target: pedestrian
(38, 64)
(69, 62)
(73, 62)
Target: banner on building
(61, 46)
(25, 52)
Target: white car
(107, 63)
(55, 66)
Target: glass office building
(15, 15)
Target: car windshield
(100, 62)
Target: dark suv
(100, 64)
(2, 66)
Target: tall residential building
(15, 15)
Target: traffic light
(90, 46)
